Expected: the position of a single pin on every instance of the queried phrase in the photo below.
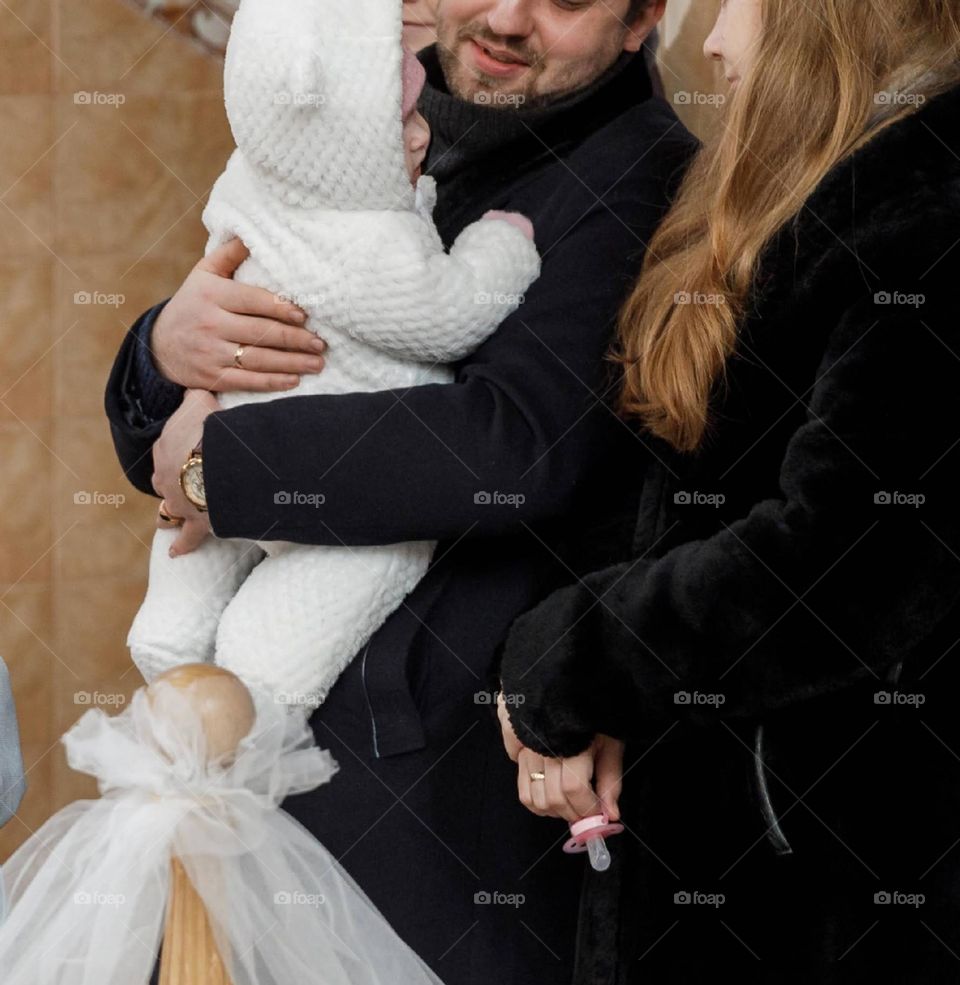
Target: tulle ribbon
(87, 893)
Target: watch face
(193, 484)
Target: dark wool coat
(778, 644)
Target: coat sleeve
(437, 307)
(138, 401)
(513, 441)
(834, 580)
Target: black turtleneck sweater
(478, 152)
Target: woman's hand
(171, 450)
(572, 788)
(197, 334)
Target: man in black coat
(501, 467)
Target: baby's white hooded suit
(319, 192)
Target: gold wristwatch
(191, 480)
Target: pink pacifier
(587, 835)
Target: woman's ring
(238, 356)
(537, 775)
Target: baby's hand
(515, 219)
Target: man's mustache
(482, 35)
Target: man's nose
(511, 18)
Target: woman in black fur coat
(770, 660)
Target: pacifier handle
(587, 835)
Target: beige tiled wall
(94, 197)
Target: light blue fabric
(12, 782)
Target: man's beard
(525, 98)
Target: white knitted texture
(318, 191)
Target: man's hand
(196, 337)
(180, 436)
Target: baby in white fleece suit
(325, 190)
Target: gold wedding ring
(168, 517)
(537, 775)
(238, 356)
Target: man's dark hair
(636, 6)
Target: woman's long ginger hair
(828, 76)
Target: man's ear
(643, 23)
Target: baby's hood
(313, 93)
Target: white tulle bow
(87, 893)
